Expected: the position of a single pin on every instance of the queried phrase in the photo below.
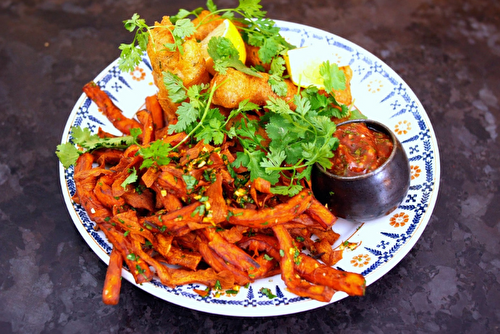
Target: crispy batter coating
(206, 23)
(236, 86)
(344, 96)
(188, 65)
(253, 58)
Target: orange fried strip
(128, 221)
(269, 217)
(314, 271)
(321, 214)
(127, 164)
(85, 180)
(165, 199)
(146, 120)
(290, 254)
(113, 280)
(267, 267)
(329, 256)
(261, 243)
(208, 277)
(182, 258)
(150, 176)
(218, 209)
(229, 252)
(160, 269)
(140, 199)
(104, 193)
(109, 109)
(138, 268)
(219, 265)
(107, 156)
(170, 178)
(154, 107)
(177, 222)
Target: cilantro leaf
(212, 128)
(131, 54)
(190, 181)
(134, 22)
(333, 77)
(251, 8)
(252, 160)
(157, 152)
(290, 190)
(182, 28)
(224, 54)
(187, 114)
(175, 87)
(356, 114)
(67, 154)
(130, 179)
(211, 6)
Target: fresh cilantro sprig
(195, 115)
(131, 54)
(68, 153)
(264, 33)
(155, 153)
(333, 76)
(298, 139)
(276, 80)
(326, 104)
(130, 179)
(224, 55)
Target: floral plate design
(380, 244)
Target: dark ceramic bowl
(368, 196)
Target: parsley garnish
(130, 179)
(225, 55)
(68, 153)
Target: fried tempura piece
(344, 96)
(236, 86)
(188, 65)
(205, 23)
(253, 58)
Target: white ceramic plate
(379, 93)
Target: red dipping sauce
(360, 151)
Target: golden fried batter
(253, 58)
(236, 86)
(344, 96)
(207, 24)
(188, 66)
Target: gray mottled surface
(448, 51)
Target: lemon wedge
(303, 64)
(225, 29)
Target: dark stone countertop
(448, 51)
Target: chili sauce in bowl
(370, 174)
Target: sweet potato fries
(198, 215)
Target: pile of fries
(191, 216)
